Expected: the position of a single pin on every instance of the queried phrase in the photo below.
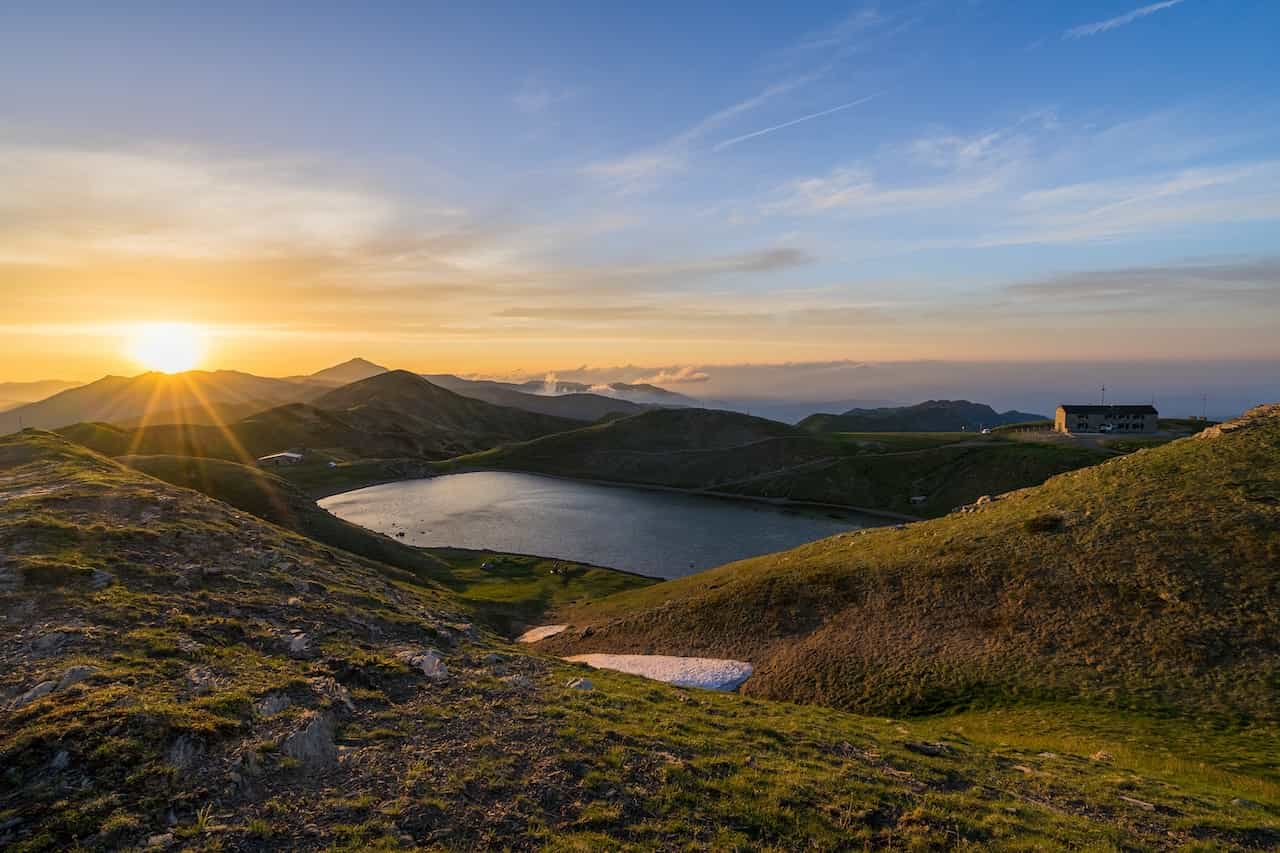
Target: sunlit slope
(1151, 580)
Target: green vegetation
(729, 453)
(1148, 582)
(217, 641)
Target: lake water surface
(663, 534)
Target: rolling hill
(193, 397)
(396, 414)
(186, 396)
(1150, 582)
(732, 453)
(576, 405)
(176, 673)
(15, 394)
(929, 416)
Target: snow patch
(707, 673)
(533, 635)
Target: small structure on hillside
(1071, 418)
(276, 459)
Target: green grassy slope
(740, 454)
(1150, 581)
(192, 650)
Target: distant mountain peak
(351, 370)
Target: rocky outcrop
(312, 743)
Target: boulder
(200, 680)
(271, 704)
(41, 690)
(329, 688)
(299, 644)
(75, 675)
(312, 743)
(581, 684)
(428, 661)
(184, 752)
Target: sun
(167, 347)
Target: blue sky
(503, 187)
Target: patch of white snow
(533, 635)
(707, 673)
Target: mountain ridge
(929, 416)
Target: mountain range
(224, 396)
(388, 415)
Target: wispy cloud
(1085, 30)
(685, 375)
(534, 98)
(1163, 287)
(856, 191)
(638, 171)
(744, 137)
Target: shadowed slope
(1151, 580)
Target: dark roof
(1075, 409)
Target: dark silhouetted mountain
(181, 397)
(929, 416)
(349, 371)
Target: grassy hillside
(741, 454)
(929, 416)
(1151, 581)
(177, 674)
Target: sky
(517, 188)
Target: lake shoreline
(498, 553)
(777, 503)
(628, 528)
